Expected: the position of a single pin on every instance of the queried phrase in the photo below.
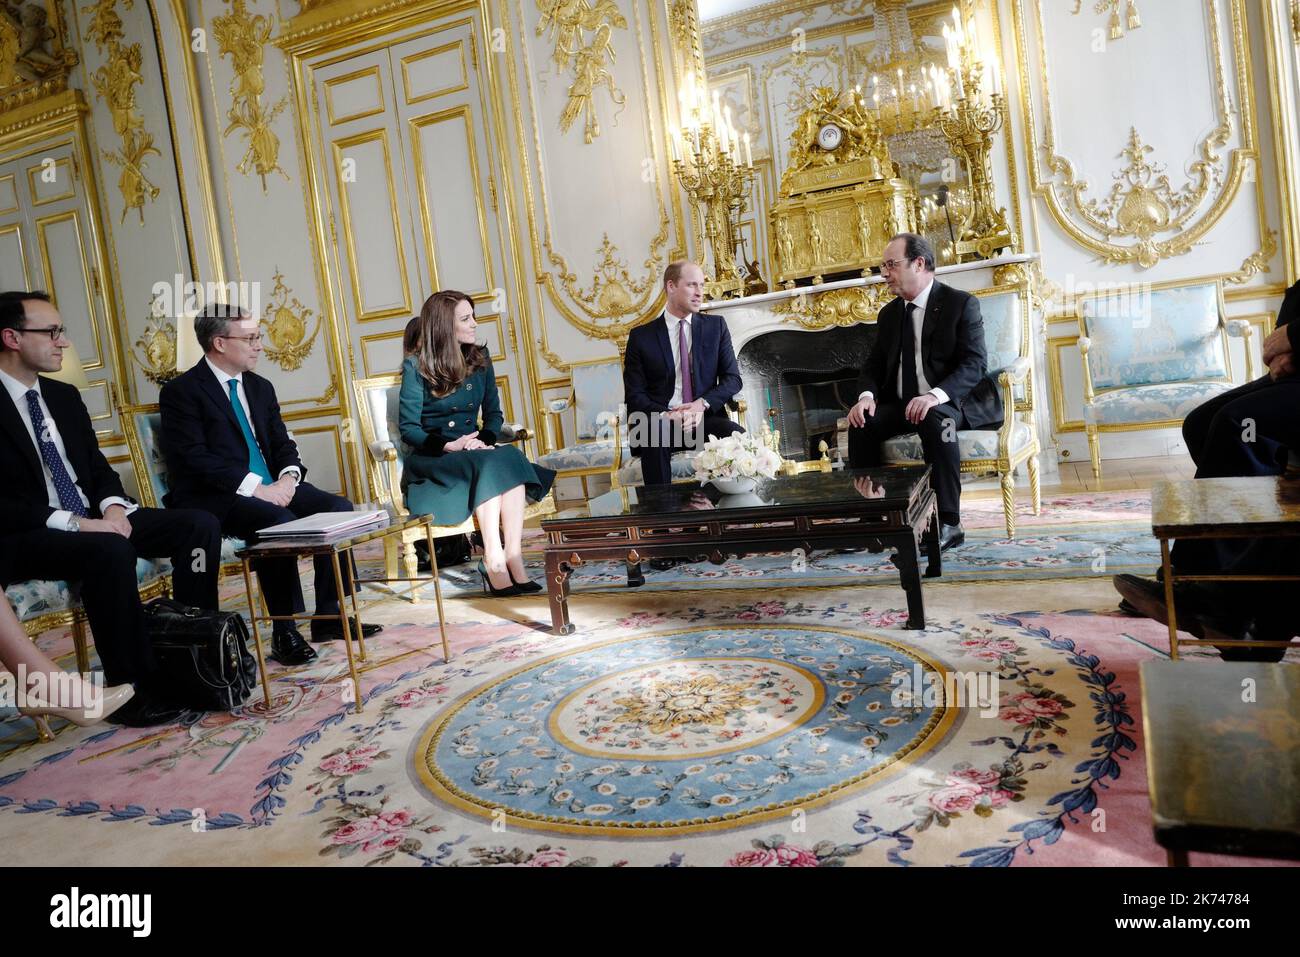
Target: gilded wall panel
(1123, 176)
(13, 258)
(61, 242)
(455, 225)
(376, 257)
(598, 265)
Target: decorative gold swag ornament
(1142, 203)
(1131, 16)
(242, 37)
(567, 23)
(838, 307)
(157, 342)
(286, 322)
(115, 82)
(613, 290)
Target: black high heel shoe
(488, 588)
(525, 587)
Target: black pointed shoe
(288, 647)
(950, 536)
(329, 629)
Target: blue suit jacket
(649, 373)
(200, 437)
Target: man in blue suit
(678, 403)
(228, 452)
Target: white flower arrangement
(739, 456)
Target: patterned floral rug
(1039, 552)
(670, 730)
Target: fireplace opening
(802, 383)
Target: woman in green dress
(454, 466)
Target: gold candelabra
(968, 122)
(708, 163)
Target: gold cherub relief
(29, 48)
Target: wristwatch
(73, 524)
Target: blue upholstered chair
(1151, 357)
(599, 446)
(141, 424)
(1006, 337)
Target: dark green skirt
(449, 487)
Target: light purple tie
(684, 358)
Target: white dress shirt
(675, 324)
(58, 519)
(918, 322)
(252, 480)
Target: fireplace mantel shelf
(771, 297)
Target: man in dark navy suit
(927, 374)
(228, 452)
(64, 515)
(678, 402)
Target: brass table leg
(437, 593)
(1168, 572)
(347, 632)
(356, 611)
(257, 641)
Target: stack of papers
(323, 524)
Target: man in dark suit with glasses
(228, 452)
(65, 517)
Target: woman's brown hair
(444, 362)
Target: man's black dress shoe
(290, 648)
(145, 711)
(667, 564)
(950, 536)
(329, 629)
(1256, 632)
(1201, 611)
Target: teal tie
(255, 461)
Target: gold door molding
(1144, 217)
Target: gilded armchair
(377, 414)
(1006, 336)
(1151, 357)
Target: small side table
(1254, 507)
(337, 547)
(1223, 757)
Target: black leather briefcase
(203, 655)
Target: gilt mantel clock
(840, 198)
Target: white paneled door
(405, 142)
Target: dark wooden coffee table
(687, 520)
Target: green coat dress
(450, 485)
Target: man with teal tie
(228, 452)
